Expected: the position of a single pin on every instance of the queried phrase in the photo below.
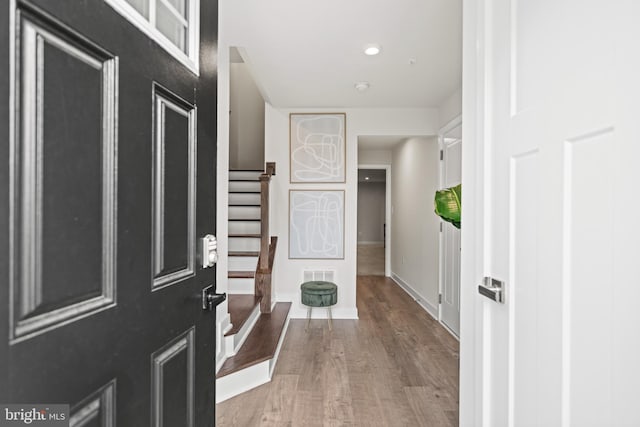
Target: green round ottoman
(318, 294)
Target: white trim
(235, 341)
(474, 84)
(274, 359)
(451, 332)
(451, 125)
(387, 214)
(175, 13)
(244, 380)
(222, 328)
(191, 59)
(422, 301)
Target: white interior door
(450, 243)
(552, 91)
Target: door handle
(492, 289)
(210, 300)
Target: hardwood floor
(370, 260)
(395, 366)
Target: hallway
(395, 366)
(370, 260)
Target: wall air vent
(318, 275)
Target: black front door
(107, 184)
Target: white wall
(450, 108)
(374, 157)
(415, 237)
(371, 212)
(288, 274)
(246, 121)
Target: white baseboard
(225, 325)
(244, 380)
(221, 353)
(421, 300)
(235, 341)
(274, 359)
(299, 311)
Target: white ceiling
(305, 53)
(373, 175)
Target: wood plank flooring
(395, 366)
(370, 260)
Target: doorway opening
(374, 193)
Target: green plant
(447, 204)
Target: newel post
(264, 222)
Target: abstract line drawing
(317, 143)
(316, 224)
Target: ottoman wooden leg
(330, 326)
(306, 328)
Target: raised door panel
(173, 382)
(63, 210)
(174, 188)
(97, 410)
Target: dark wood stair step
(240, 308)
(243, 253)
(245, 235)
(262, 342)
(242, 274)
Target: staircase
(258, 325)
(244, 230)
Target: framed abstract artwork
(316, 224)
(317, 147)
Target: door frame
(452, 124)
(476, 118)
(387, 214)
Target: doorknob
(210, 300)
(492, 289)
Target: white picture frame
(316, 224)
(317, 147)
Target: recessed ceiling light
(371, 49)
(366, 178)
(362, 86)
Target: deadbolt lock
(208, 251)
